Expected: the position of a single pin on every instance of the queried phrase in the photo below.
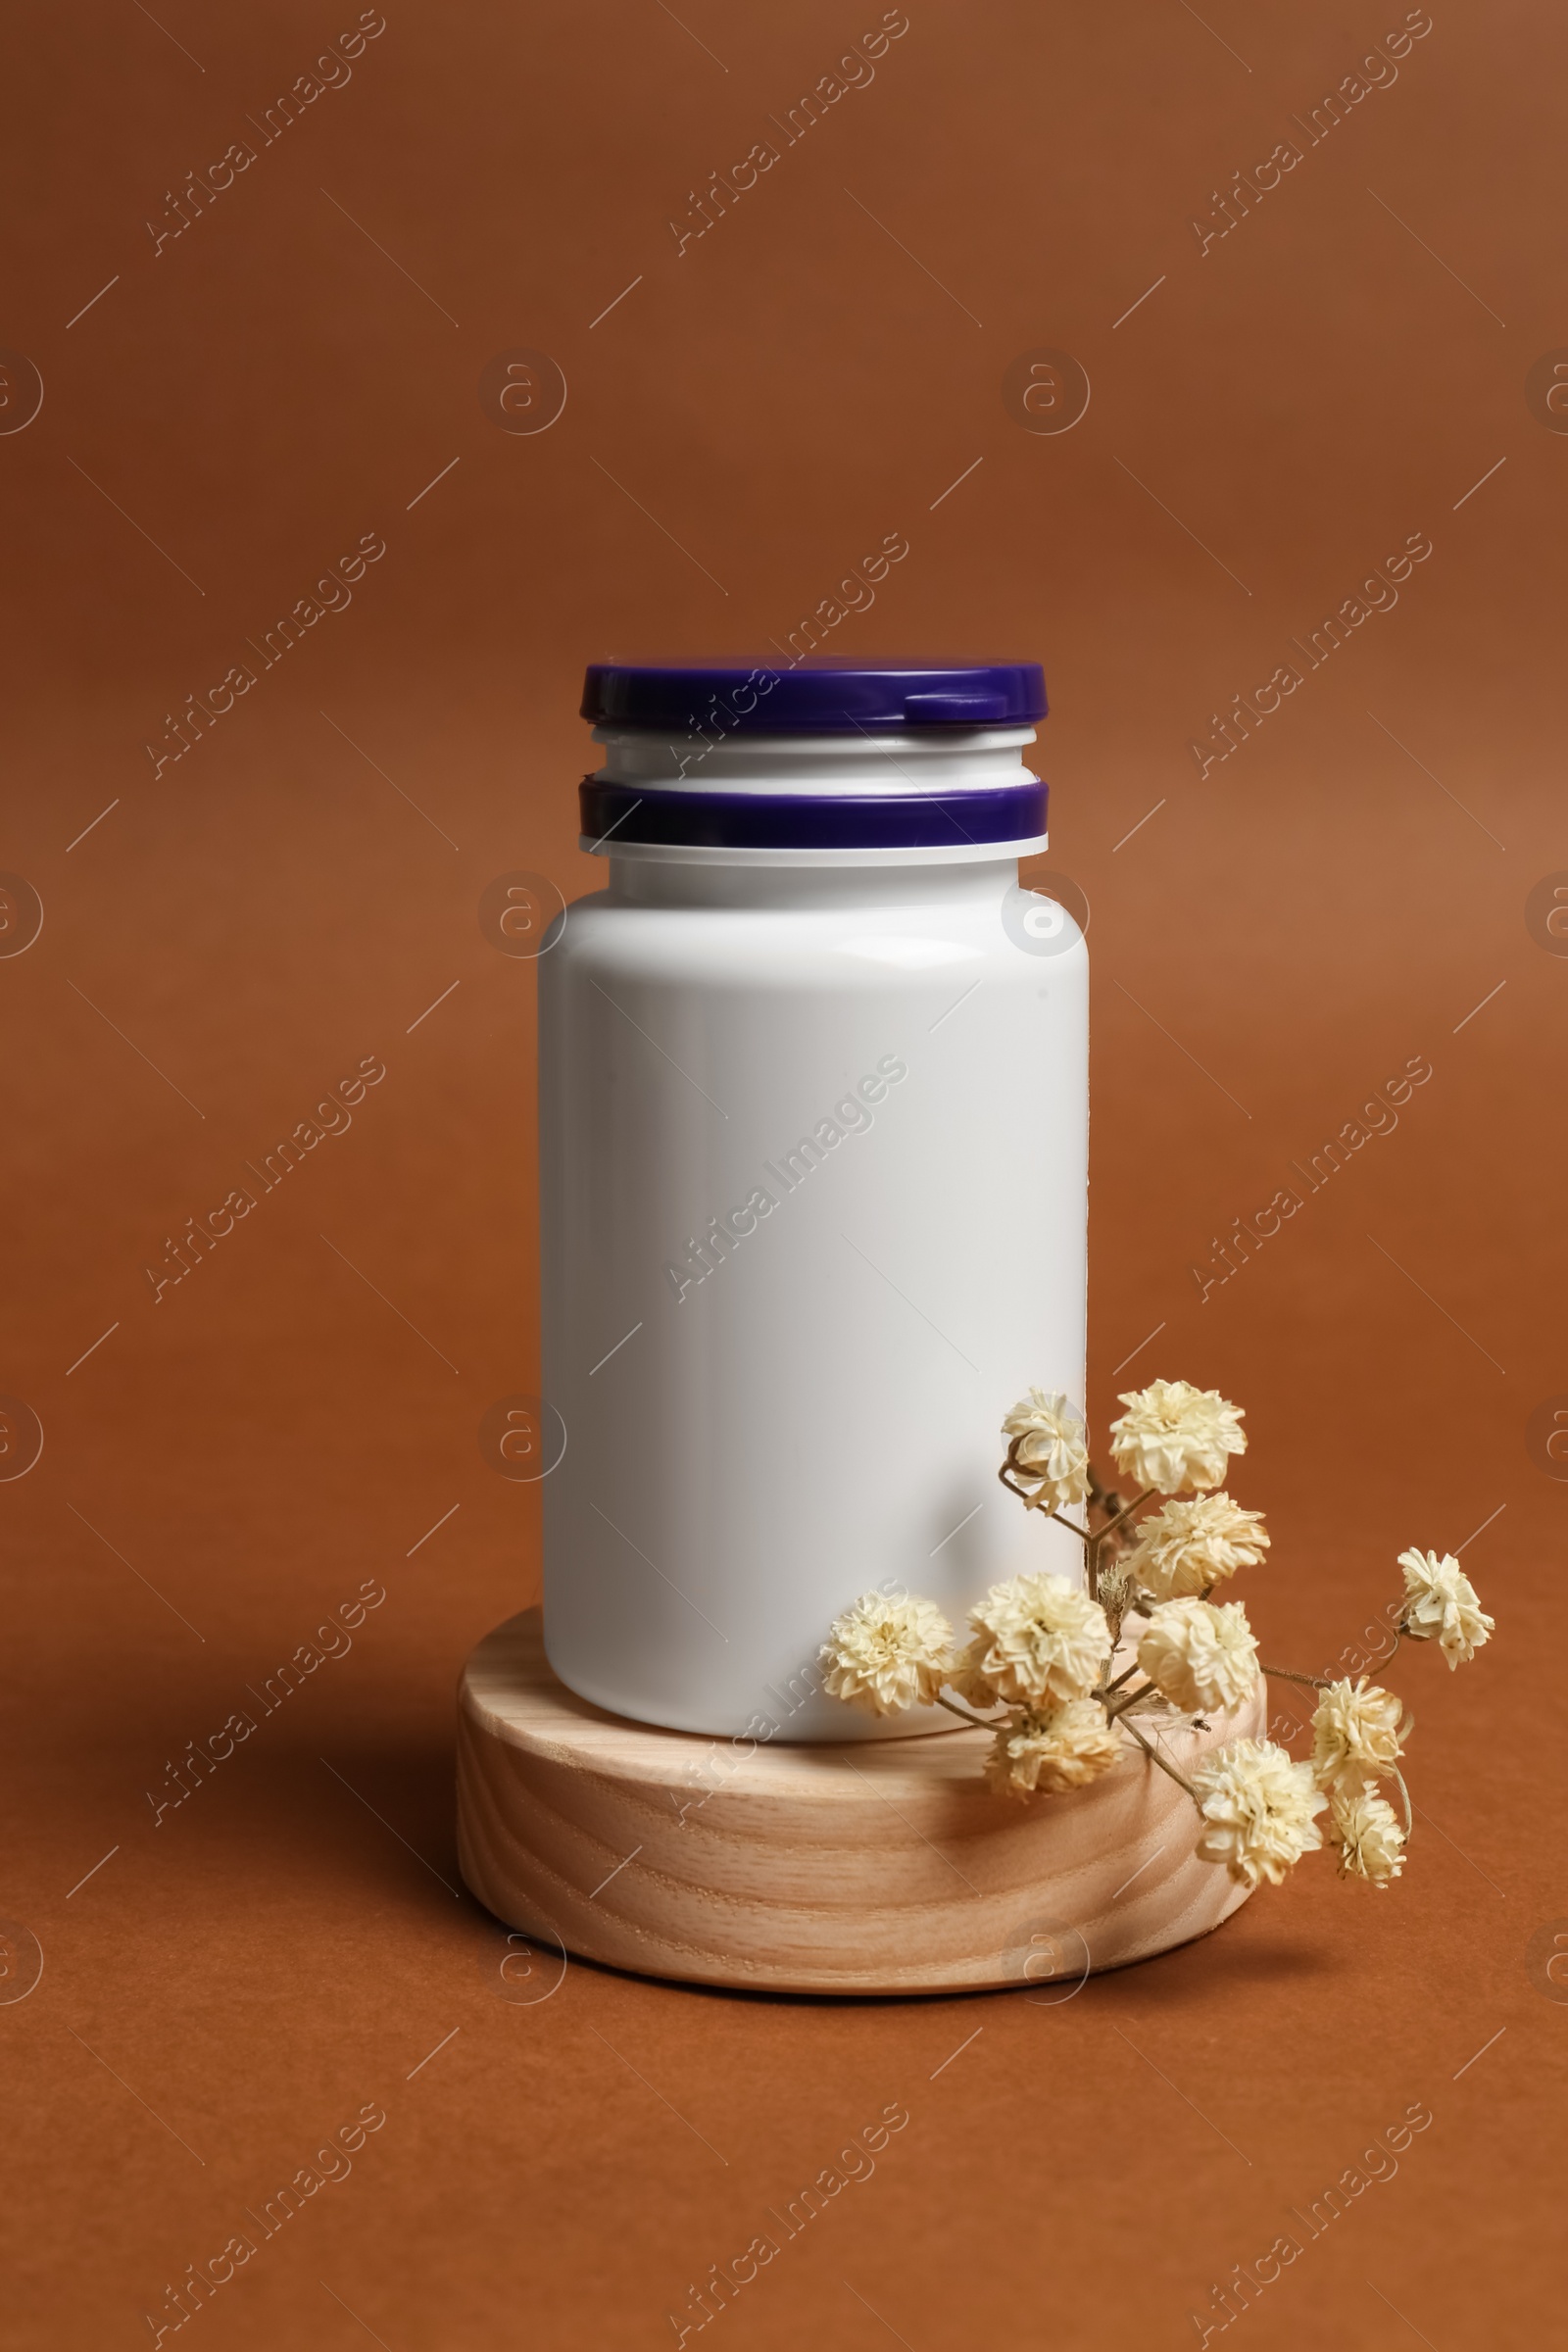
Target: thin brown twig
(1011, 1488)
(1288, 1674)
(1101, 1532)
(1031, 1502)
(1102, 1499)
(965, 1715)
(1108, 1533)
(1404, 1793)
(1179, 1778)
(1129, 1698)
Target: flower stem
(1288, 1674)
(1179, 1778)
(1097, 1543)
(1129, 1698)
(1102, 1499)
(963, 1713)
(1127, 1507)
(1404, 1793)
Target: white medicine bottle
(813, 1136)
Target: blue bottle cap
(816, 697)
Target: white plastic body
(837, 1082)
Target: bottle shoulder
(1011, 934)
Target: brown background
(1279, 938)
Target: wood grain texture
(884, 1866)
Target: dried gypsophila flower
(1441, 1600)
(1042, 1641)
(887, 1655)
(1065, 1748)
(1174, 1437)
(1257, 1806)
(1357, 1730)
(1048, 1453)
(968, 1679)
(1369, 1838)
(1199, 1655)
(1184, 1548)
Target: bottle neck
(899, 762)
(664, 882)
(782, 809)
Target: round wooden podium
(882, 1866)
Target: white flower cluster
(1047, 1452)
(888, 1654)
(1185, 1548)
(1359, 1735)
(1439, 1600)
(1037, 1639)
(1199, 1656)
(1041, 1648)
(1174, 1437)
(1257, 1805)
